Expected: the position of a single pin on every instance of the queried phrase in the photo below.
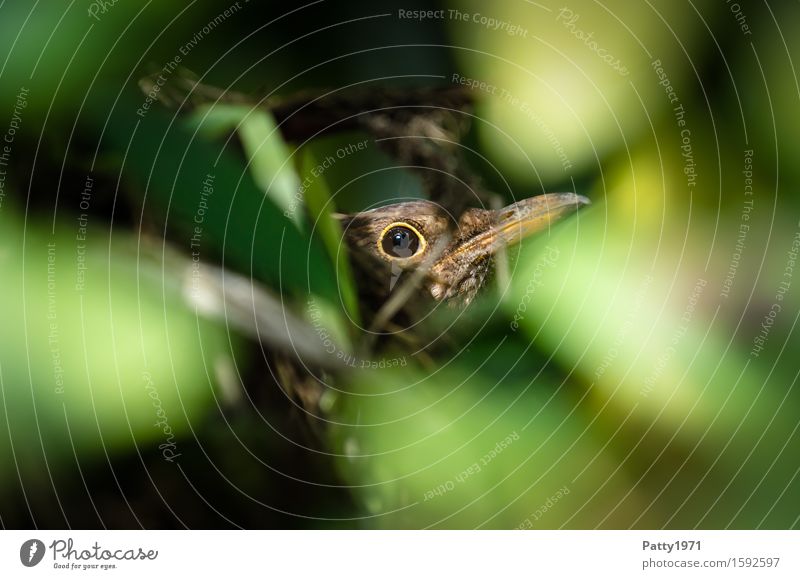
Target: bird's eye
(401, 240)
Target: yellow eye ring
(401, 240)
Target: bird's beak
(524, 218)
(519, 220)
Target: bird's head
(456, 252)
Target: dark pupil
(400, 242)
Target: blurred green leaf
(458, 449)
(268, 156)
(635, 321)
(320, 207)
(240, 225)
(109, 357)
(558, 84)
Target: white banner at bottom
(353, 554)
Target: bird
(454, 254)
(407, 257)
(412, 256)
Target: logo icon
(32, 552)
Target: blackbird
(456, 252)
(406, 256)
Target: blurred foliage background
(636, 372)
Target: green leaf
(240, 226)
(111, 363)
(268, 156)
(320, 208)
